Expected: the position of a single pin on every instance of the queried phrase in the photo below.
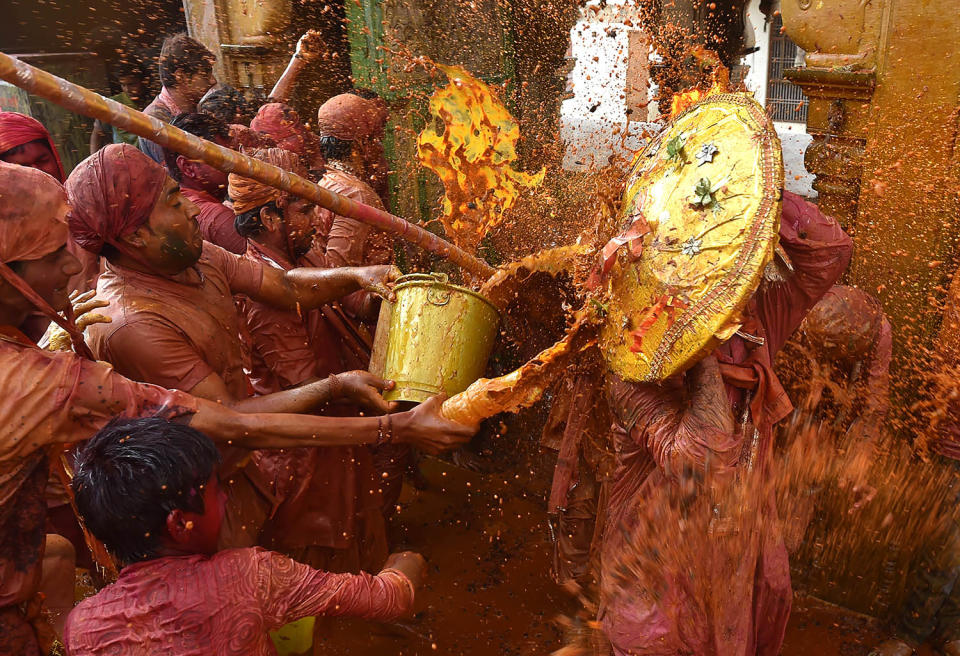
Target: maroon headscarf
(282, 124)
(111, 194)
(17, 129)
(349, 117)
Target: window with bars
(785, 100)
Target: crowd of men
(214, 431)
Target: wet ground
(489, 590)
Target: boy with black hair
(205, 186)
(186, 73)
(147, 488)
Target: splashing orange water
(719, 82)
(473, 155)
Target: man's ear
(179, 528)
(137, 238)
(270, 218)
(185, 166)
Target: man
(716, 421)
(205, 186)
(147, 488)
(281, 123)
(353, 124)
(325, 518)
(51, 399)
(349, 126)
(24, 141)
(186, 74)
(133, 92)
(171, 304)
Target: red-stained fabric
(175, 331)
(244, 139)
(48, 399)
(328, 497)
(349, 117)
(282, 124)
(17, 129)
(112, 193)
(223, 605)
(753, 620)
(347, 241)
(216, 221)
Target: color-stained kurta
(654, 442)
(223, 605)
(46, 400)
(327, 495)
(216, 221)
(175, 331)
(346, 241)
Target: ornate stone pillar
(883, 78)
(244, 34)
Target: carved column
(837, 119)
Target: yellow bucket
(435, 338)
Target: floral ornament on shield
(692, 247)
(706, 154)
(675, 148)
(703, 193)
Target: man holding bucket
(326, 516)
(174, 321)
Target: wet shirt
(216, 221)
(223, 604)
(349, 242)
(49, 399)
(175, 331)
(164, 108)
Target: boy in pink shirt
(147, 488)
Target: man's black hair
(16, 150)
(185, 54)
(200, 125)
(249, 224)
(132, 474)
(226, 103)
(333, 148)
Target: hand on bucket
(428, 430)
(365, 389)
(379, 280)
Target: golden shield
(701, 214)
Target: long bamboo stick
(83, 101)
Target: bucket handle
(438, 295)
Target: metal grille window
(785, 100)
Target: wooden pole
(83, 101)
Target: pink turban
(17, 129)
(111, 194)
(349, 117)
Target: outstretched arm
(307, 288)
(310, 47)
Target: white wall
(599, 43)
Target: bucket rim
(430, 279)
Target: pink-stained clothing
(327, 496)
(216, 221)
(48, 400)
(223, 605)
(657, 441)
(175, 331)
(344, 241)
(163, 108)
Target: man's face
(133, 87)
(170, 241)
(49, 276)
(194, 85)
(300, 217)
(206, 527)
(36, 155)
(200, 175)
